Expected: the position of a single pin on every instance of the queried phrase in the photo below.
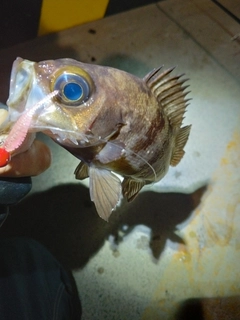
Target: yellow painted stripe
(58, 15)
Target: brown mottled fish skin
(132, 125)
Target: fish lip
(20, 84)
(14, 71)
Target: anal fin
(131, 188)
(105, 191)
(81, 172)
(181, 140)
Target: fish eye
(73, 89)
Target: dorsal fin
(169, 92)
(180, 141)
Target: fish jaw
(24, 91)
(27, 89)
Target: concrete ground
(177, 245)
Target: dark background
(19, 19)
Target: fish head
(83, 95)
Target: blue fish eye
(74, 89)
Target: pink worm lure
(19, 130)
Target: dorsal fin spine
(162, 81)
(170, 86)
(151, 74)
(155, 76)
(173, 97)
(170, 93)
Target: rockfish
(112, 121)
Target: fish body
(111, 120)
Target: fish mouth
(21, 77)
(23, 91)
(25, 94)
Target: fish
(125, 130)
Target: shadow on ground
(216, 308)
(65, 221)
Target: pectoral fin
(105, 191)
(131, 188)
(111, 152)
(81, 172)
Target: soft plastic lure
(5, 157)
(20, 130)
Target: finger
(29, 163)
(3, 114)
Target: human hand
(29, 163)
